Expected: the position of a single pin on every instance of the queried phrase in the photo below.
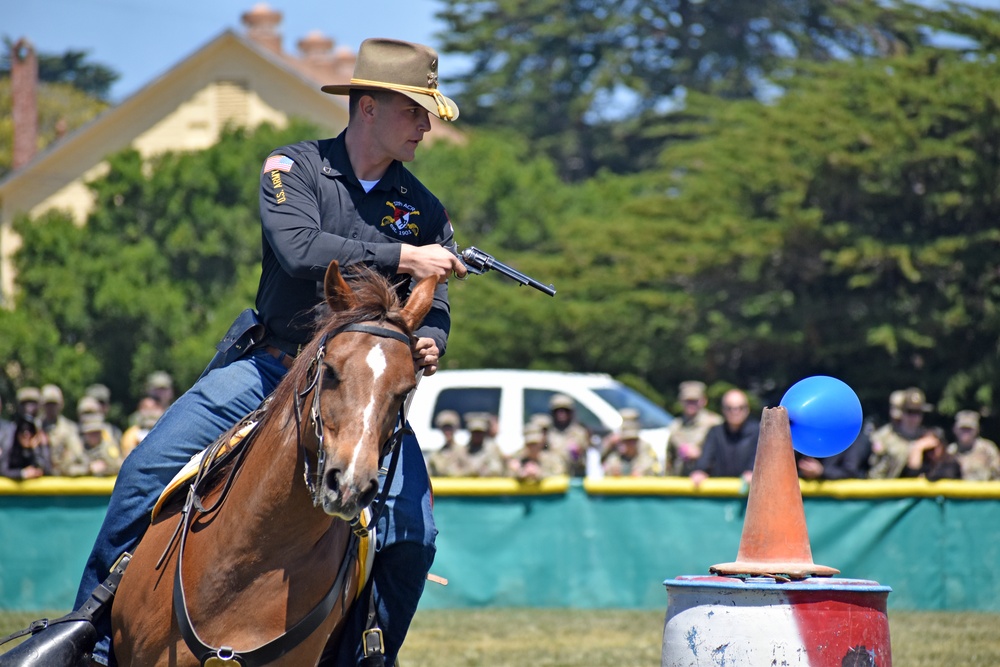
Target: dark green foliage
(590, 81)
(72, 67)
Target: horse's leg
(145, 632)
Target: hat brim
(428, 102)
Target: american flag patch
(279, 163)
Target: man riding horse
(320, 201)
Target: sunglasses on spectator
(735, 408)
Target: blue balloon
(825, 415)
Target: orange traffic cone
(775, 540)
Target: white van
(514, 395)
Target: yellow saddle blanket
(183, 478)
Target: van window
(650, 414)
(537, 401)
(464, 400)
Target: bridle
(314, 480)
(226, 656)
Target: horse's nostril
(331, 480)
(369, 495)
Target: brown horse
(262, 560)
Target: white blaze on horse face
(377, 362)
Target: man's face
(400, 125)
(735, 410)
(966, 435)
(51, 410)
(910, 422)
(562, 416)
(691, 406)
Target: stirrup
(67, 641)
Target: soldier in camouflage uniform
(979, 457)
(483, 455)
(63, 434)
(891, 448)
(450, 460)
(688, 431)
(567, 437)
(895, 414)
(632, 456)
(101, 456)
(534, 461)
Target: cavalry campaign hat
(407, 68)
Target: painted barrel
(818, 622)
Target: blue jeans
(217, 401)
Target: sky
(142, 39)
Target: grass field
(606, 638)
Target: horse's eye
(330, 376)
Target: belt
(285, 358)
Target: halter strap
(381, 332)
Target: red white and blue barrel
(817, 622)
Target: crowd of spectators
(703, 444)
(41, 440)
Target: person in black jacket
(852, 463)
(729, 448)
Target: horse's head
(363, 370)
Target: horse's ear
(339, 295)
(420, 302)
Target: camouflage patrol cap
(540, 420)
(534, 436)
(52, 394)
(477, 422)
(159, 380)
(448, 418)
(100, 392)
(630, 432)
(967, 419)
(29, 395)
(691, 390)
(560, 402)
(88, 405)
(91, 423)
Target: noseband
(314, 480)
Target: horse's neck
(270, 489)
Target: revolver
(480, 262)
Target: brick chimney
(24, 91)
(262, 26)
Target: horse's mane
(376, 301)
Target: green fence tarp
(590, 551)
